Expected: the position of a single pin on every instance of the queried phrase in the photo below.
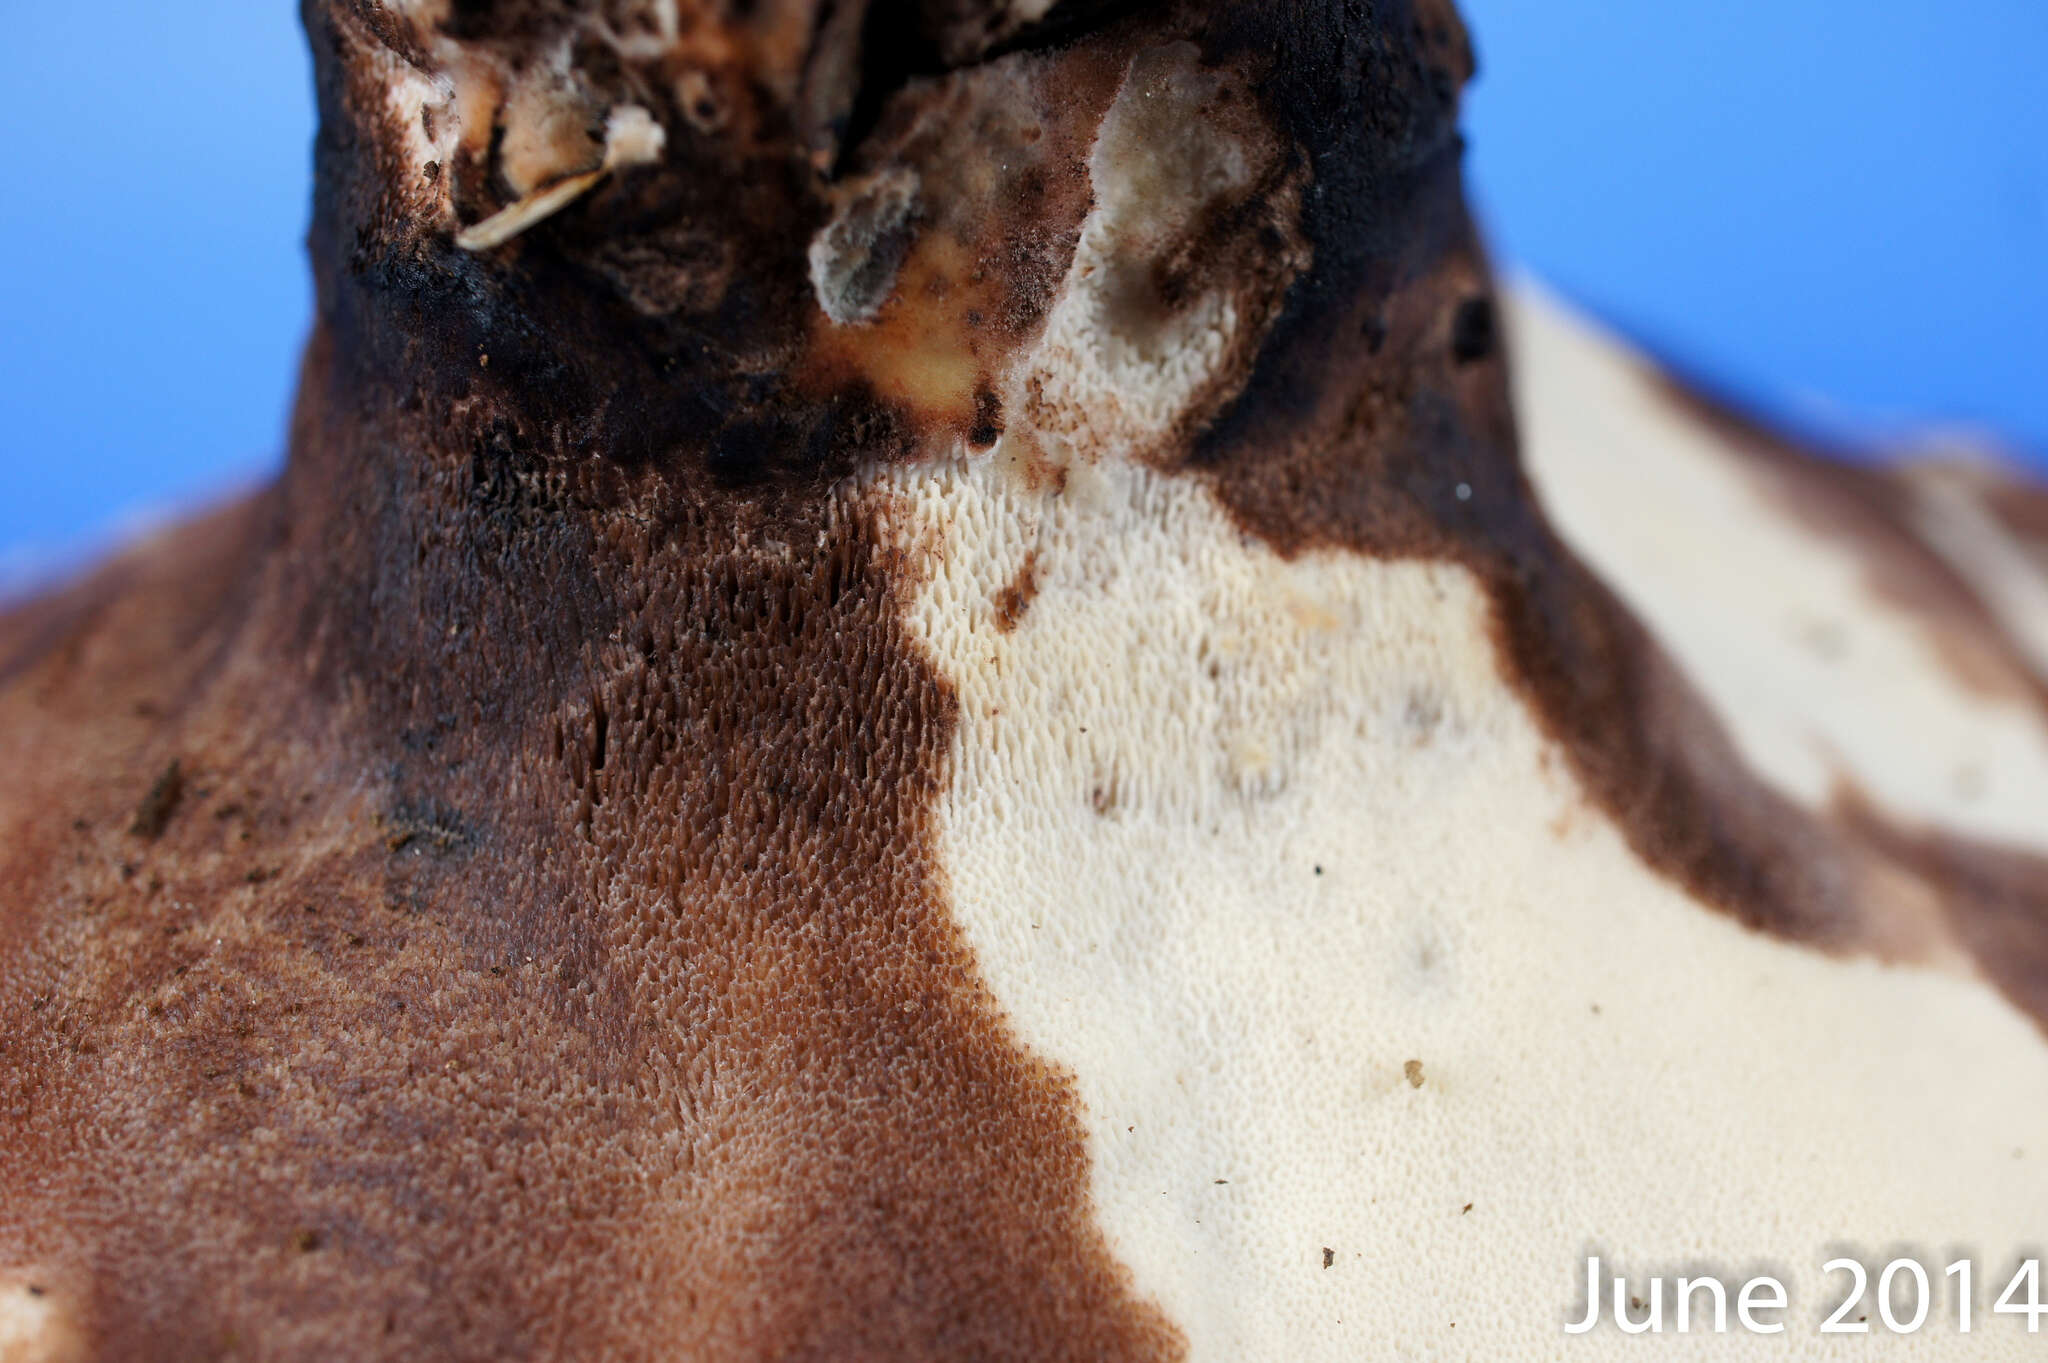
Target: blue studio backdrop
(1834, 210)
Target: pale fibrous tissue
(950, 679)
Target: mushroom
(882, 742)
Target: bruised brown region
(546, 954)
(2022, 508)
(1416, 457)
(1379, 470)
(557, 972)
(1378, 422)
(1013, 602)
(1996, 898)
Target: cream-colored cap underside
(1818, 678)
(1236, 838)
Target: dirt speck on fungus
(1015, 599)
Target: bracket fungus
(907, 648)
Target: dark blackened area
(666, 321)
(157, 807)
(1474, 330)
(1378, 420)
(585, 984)
(1371, 104)
(542, 333)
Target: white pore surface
(1149, 772)
(1234, 839)
(1816, 676)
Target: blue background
(1836, 210)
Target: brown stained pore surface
(1994, 899)
(497, 993)
(546, 955)
(1377, 420)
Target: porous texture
(1308, 831)
(1863, 631)
(544, 954)
(1321, 811)
(558, 973)
(883, 736)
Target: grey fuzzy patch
(856, 256)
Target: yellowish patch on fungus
(632, 138)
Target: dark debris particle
(157, 807)
(306, 1241)
(1413, 1072)
(1014, 601)
(1474, 332)
(1468, 1207)
(1329, 1256)
(37, 1290)
(988, 420)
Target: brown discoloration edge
(2022, 508)
(740, 1080)
(1996, 897)
(669, 1047)
(1378, 422)
(1869, 506)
